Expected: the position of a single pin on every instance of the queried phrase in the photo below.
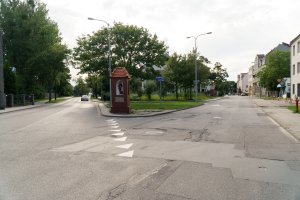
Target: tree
(132, 47)
(173, 71)
(277, 67)
(31, 42)
(80, 87)
(93, 82)
(150, 88)
(219, 76)
(180, 70)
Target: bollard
(297, 101)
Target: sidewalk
(277, 110)
(17, 108)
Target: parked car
(244, 94)
(84, 98)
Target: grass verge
(165, 105)
(293, 109)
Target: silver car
(84, 98)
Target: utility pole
(196, 77)
(2, 96)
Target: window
(298, 47)
(293, 50)
(298, 68)
(298, 92)
(293, 69)
(293, 90)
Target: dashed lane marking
(113, 124)
(122, 139)
(115, 130)
(118, 134)
(125, 146)
(127, 154)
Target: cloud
(241, 28)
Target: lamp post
(109, 57)
(196, 79)
(2, 96)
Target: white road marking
(115, 130)
(217, 117)
(215, 105)
(125, 146)
(122, 139)
(128, 154)
(118, 134)
(114, 126)
(284, 131)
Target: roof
(260, 55)
(120, 72)
(294, 40)
(281, 47)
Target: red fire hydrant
(297, 101)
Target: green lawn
(164, 105)
(293, 108)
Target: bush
(150, 88)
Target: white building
(242, 83)
(259, 64)
(250, 80)
(295, 67)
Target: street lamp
(2, 96)
(109, 56)
(196, 79)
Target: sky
(240, 28)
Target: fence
(19, 100)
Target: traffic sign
(160, 78)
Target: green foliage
(132, 47)
(81, 87)
(293, 109)
(150, 88)
(277, 67)
(93, 82)
(219, 76)
(32, 45)
(180, 71)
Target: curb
(148, 115)
(24, 108)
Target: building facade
(242, 83)
(295, 67)
(259, 64)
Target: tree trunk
(55, 92)
(49, 91)
(176, 90)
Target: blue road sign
(160, 78)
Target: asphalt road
(226, 149)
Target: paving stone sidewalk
(278, 111)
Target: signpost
(2, 96)
(160, 79)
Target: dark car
(84, 98)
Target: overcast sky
(240, 28)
